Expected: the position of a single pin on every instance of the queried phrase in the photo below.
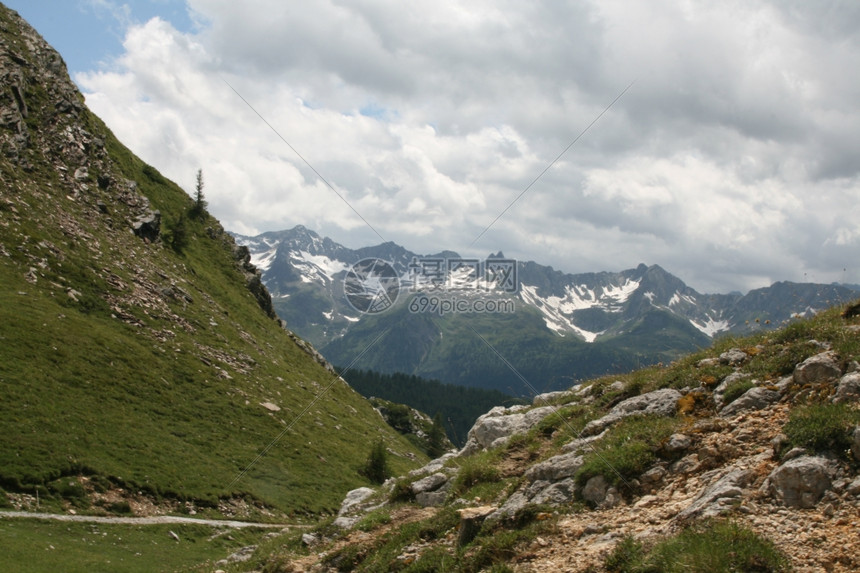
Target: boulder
(801, 482)
(431, 498)
(733, 357)
(753, 399)
(848, 389)
(352, 505)
(429, 483)
(823, 367)
(719, 497)
(677, 443)
(555, 468)
(661, 402)
(148, 226)
(733, 377)
(594, 491)
(855, 445)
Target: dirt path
(154, 520)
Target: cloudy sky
(733, 159)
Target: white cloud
(732, 162)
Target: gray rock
(353, 500)
(654, 475)
(661, 402)
(733, 377)
(434, 466)
(733, 357)
(718, 497)
(431, 498)
(616, 386)
(677, 443)
(429, 483)
(555, 468)
(555, 493)
(706, 362)
(148, 226)
(595, 490)
(753, 399)
(516, 502)
(496, 426)
(581, 444)
(848, 389)
(309, 539)
(801, 482)
(822, 367)
(687, 464)
(551, 397)
(855, 446)
(240, 556)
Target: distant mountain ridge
(593, 322)
(590, 306)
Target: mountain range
(541, 331)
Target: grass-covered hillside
(138, 367)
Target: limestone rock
(148, 226)
(496, 426)
(661, 402)
(855, 446)
(431, 498)
(801, 482)
(822, 367)
(555, 468)
(595, 490)
(677, 443)
(848, 389)
(733, 357)
(429, 483)
(551, 397)
(753, 399)
(719, 497)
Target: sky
(720, 141)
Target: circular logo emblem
(371, 286)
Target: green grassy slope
(131, 361)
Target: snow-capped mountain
(629, 317)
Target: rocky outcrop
(753, 399)
(659, 402)
(496, 426)
(720, 497)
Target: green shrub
(626, 557)
(628, 449)
(376, 468)
(821, 427)
(374, 519)
(714, 546)
(476, 470)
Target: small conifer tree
(376, 467)
(198, 211)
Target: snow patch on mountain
(711, 327)
(316, 268)
(553, 308)
(677, 298)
